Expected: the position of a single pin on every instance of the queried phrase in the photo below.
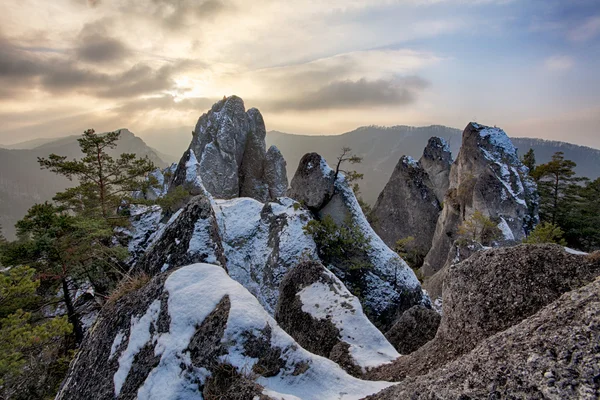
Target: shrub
(344, 245)
(127, 285)
(546, 232)
(479, 228)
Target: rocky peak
(488, 177)
(436, 161)
(407, 206)
(388, 285)
(228, 154)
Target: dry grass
(128, 284)
(594, 257)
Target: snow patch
(194, 292)
(576, 252)
(139, 336)
(505, 229)
(333, 302)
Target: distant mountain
(382, 147)
(23, 183)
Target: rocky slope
(387, 285)
(228, 148)
(551, 355)
(488, 177)
(195, 333)
(490, 292)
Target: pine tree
(557, 184)
(529, 160)
(103, 181)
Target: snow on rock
(191, 235)
(391, 286)
(181, 331)
(488, 177)
(144, 223)
(262, 242)
(227, 155)
(321, 314)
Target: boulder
(490, 292)
(252, 169)
(194, 333)
(313, 182)
(436, 161)
(407, 206)
(488, 177)
(413, 329)
(553, 354)
(319, 312)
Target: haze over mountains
(23, 183)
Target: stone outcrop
(436, 161)
(275, 173)
(387, 285)
(190, 236)
(313, 182)
(460, 251)
(407, 206)
(490, 292)
(415, 327)
(319, 312)
(228, 154)
(488, 177)
(194, 333)
(552, 355)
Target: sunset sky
(310, 66)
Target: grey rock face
(191, 236)
(460, 251)
(487, 176)
(407, 206)
(317, 310)
(312, 184)
(551, 355)
(388, 285)
(251, 171)
(275, 173)
(490, 292)
(413, 329)
(194, 333)
(228, 152)
(436, 162)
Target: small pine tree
(103, 181)
(480, 228)
(546, 232)
(529, 160)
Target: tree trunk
(71, 313)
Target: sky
(310, 66)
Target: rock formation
(407, 206)
(551, 355)
(436, 161)
(487, 176)
(195, 333)
(413, 329)
(191, 236)
(490, 292)
(228, 155)
(388, 286)
(319, 312)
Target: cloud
(559, 63)
(586, 31)
(353, 94)
(97, 48)
(165, 103)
